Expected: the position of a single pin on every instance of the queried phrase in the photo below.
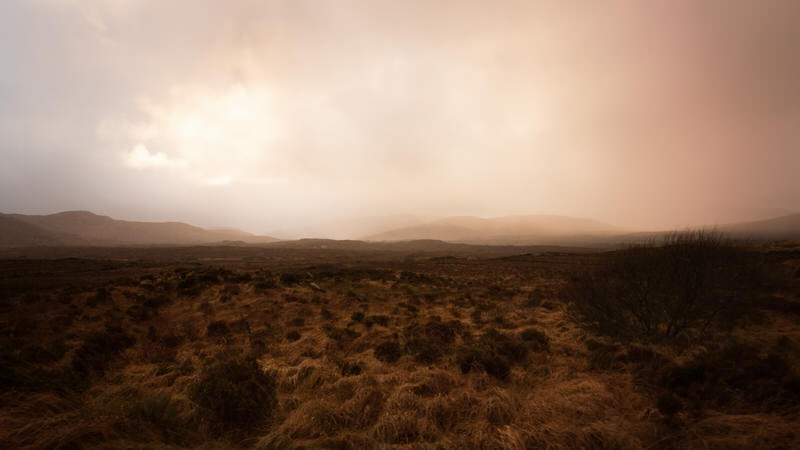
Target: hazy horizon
(289, 116)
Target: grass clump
(737, 378)
(535, 339)
(493, 353)
(428, 342)
(101, 296)
(235, 394)
(193, 283)
(293, 335)
(99, 349)
(218, 328)
(161, 414)
(378, 319)
(388, 352)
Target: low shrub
(264, 282)
(61, 379)
(378, 319)
(155, 301)
(99, 349)
(388, 352)
(694, 280)
(100, 296)
(428, 342)
(293, 335)
(341, 336)
(138, 313)
(535, 339)
(481, 358)
(612, 356)
(43, 354)
(326, 314)
(162, 413)
(351, 368)
(193, 283)
(296, 322)
(290, 278)
(493, 353)
(235, 394)
(218, 328)
(240, 326)
(737, 378)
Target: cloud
(141, 158)
(220, 181)
(632, 113)
(231, 130)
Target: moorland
(689, 343)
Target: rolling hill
(17, 233)
(86, 228)
(83, 228)
(517, 230)
(785, 227)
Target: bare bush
(692, 281)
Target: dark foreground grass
(680, 348)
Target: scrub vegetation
(689, 343)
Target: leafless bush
(692, 281)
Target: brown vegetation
(676, 346)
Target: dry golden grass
(539, 381)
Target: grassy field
(335, 348)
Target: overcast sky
(267, 115)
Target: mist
(302, 117)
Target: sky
(278, 115)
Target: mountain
(16, 233)
(86, 228)
(518, 230)
(349, 229)
(73, 228)
(785, 227)
(424, 247)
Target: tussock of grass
(99, 349)
(236, 394)
(388, 352)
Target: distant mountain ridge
(570, 231)
(87, 228)
(83, 228)
(349, 229)
(530, 229)
(784, 227)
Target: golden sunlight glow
(212, 132)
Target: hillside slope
(785, 227)
(83, 227)
(17, 233)
(535, 229)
